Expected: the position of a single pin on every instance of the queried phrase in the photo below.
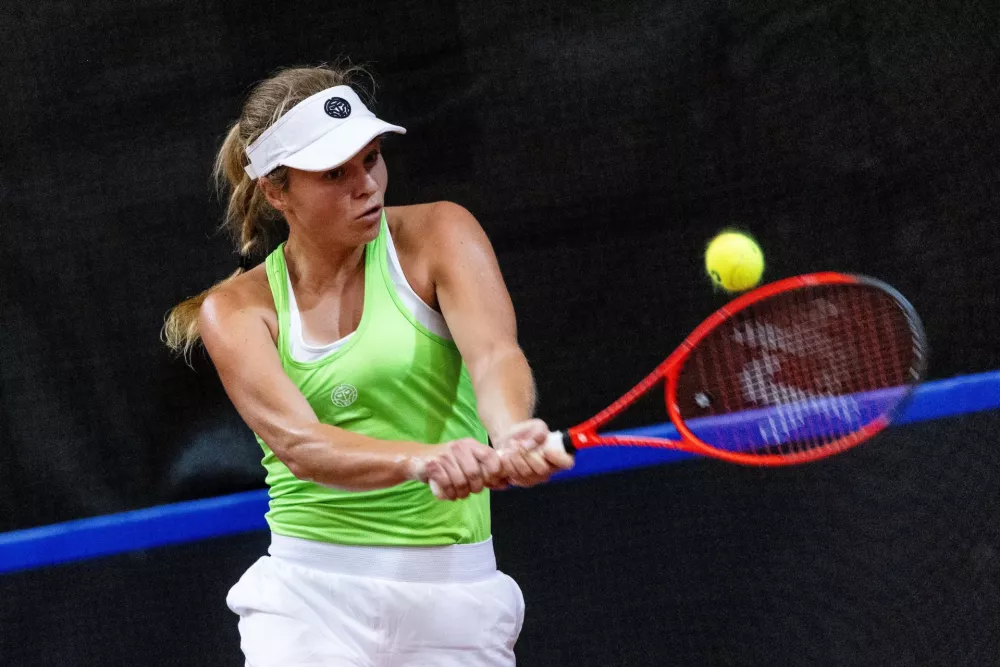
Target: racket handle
(557, 442)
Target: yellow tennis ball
(734, 261)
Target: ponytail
(250, 219)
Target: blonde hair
(251, 221)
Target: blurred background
(601, 145)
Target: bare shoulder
(245, 298)
(434, 228)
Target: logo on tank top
(337, 107)
(343, 395)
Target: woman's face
(343, 205)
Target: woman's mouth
(371, 215)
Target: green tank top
(393, 380)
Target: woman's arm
(480, 315)
(238, 340)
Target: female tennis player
(371, 353)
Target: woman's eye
(372, 157)
(334, 174)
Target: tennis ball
(734, 261)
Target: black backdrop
(600, 145)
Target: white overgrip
(554, 443)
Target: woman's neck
(318, 266)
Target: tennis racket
(789, 373)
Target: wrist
(502, 430)
(411, 463)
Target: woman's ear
(275, 196)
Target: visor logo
(337, 107)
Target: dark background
(601, 145)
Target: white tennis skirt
(311, 603)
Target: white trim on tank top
(304, 351)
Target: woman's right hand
(460, 468)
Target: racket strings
(812, 367)
(875, 372)
(852, 376)
(806, 344)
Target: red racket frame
(585, 434)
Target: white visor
(321, 132)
